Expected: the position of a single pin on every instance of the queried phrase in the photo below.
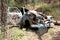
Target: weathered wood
(57, 23)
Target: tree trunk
(3, 14)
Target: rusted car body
(28, 19)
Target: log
(57, 23)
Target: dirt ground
(52, 34)
(30, 35)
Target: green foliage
(2, 32)
(50, 10)
(45, 8)
(21, 3)
(2, 35)
(55, 12)
(11, 3)
(17, 34)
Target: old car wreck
(28, 18)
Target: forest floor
(52, 34)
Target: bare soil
(52, 34)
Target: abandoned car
(29, 18)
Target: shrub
(17, 34)
(45, 8)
